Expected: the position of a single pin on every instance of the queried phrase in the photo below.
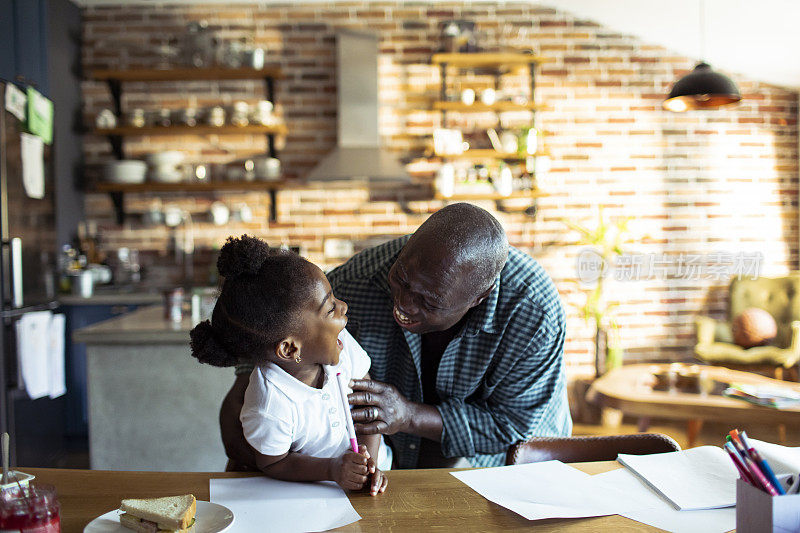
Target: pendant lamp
(702, 88)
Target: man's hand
(381, 408)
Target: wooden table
(629, 389)
(416, 500)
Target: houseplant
(604, 245)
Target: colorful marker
(763, 481)
(766, 470)
(740, 466)
(348, 417)
(737, 443)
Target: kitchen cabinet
(116, 79)
(80, 316)
(23, 41)
(494, 65)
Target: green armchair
(781, 298)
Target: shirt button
(412, 446)
(335, 424)
(325, 396)
(332, 410)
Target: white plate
(210, 518)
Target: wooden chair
(584, 449)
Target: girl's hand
(377, 479)
(350, 470)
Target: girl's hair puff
(258, 305)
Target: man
(466, 336)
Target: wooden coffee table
(643, 390)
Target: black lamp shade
(702, 89)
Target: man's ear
(287, 349)
(485, 294)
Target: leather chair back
(584, 449)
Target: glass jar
(199, 45)
(263, 113)
(136, 118)
(216, 117)
(173, 304)
(164, 118)
(188, 117)
(239, 116)
(30, 508)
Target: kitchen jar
(216, 117)
(263, 113)
(82, 283)
(30, 508)
(199, 45)
(173, 304)
(240, 113)
(188, 117)
(164, 118)
(136, 118)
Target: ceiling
(749, 37)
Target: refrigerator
(27, 284)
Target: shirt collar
(381, 275)
(293, 387)
(481, 317)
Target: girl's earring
(297, 359)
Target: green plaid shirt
(501, 379)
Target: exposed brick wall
(695, 183)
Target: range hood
(358, 155)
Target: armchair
(781, 298)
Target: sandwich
(173, 514)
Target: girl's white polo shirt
(282, 414)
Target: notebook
(694, 479)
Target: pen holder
(758, 511)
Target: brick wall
(696, 184)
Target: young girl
(277, 311)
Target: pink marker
(351, 432)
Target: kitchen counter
(112, 298)
(144, 326)
(152, 406)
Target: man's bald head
(447, 267)
(465, 239)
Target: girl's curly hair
(258, 305)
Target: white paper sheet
(647, 507)
(32, 148)
(33, 343)
(57, 382)
(542, 490)
(265, 504)
(698, 478)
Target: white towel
(40, 353)
(58, 384)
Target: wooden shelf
(479, 106)
(491, 196)
(186, 74)
(488, 153)
(191, 187)
(130, 131)
(487, 59)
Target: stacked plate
(125, 171)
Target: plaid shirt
(501, 379)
